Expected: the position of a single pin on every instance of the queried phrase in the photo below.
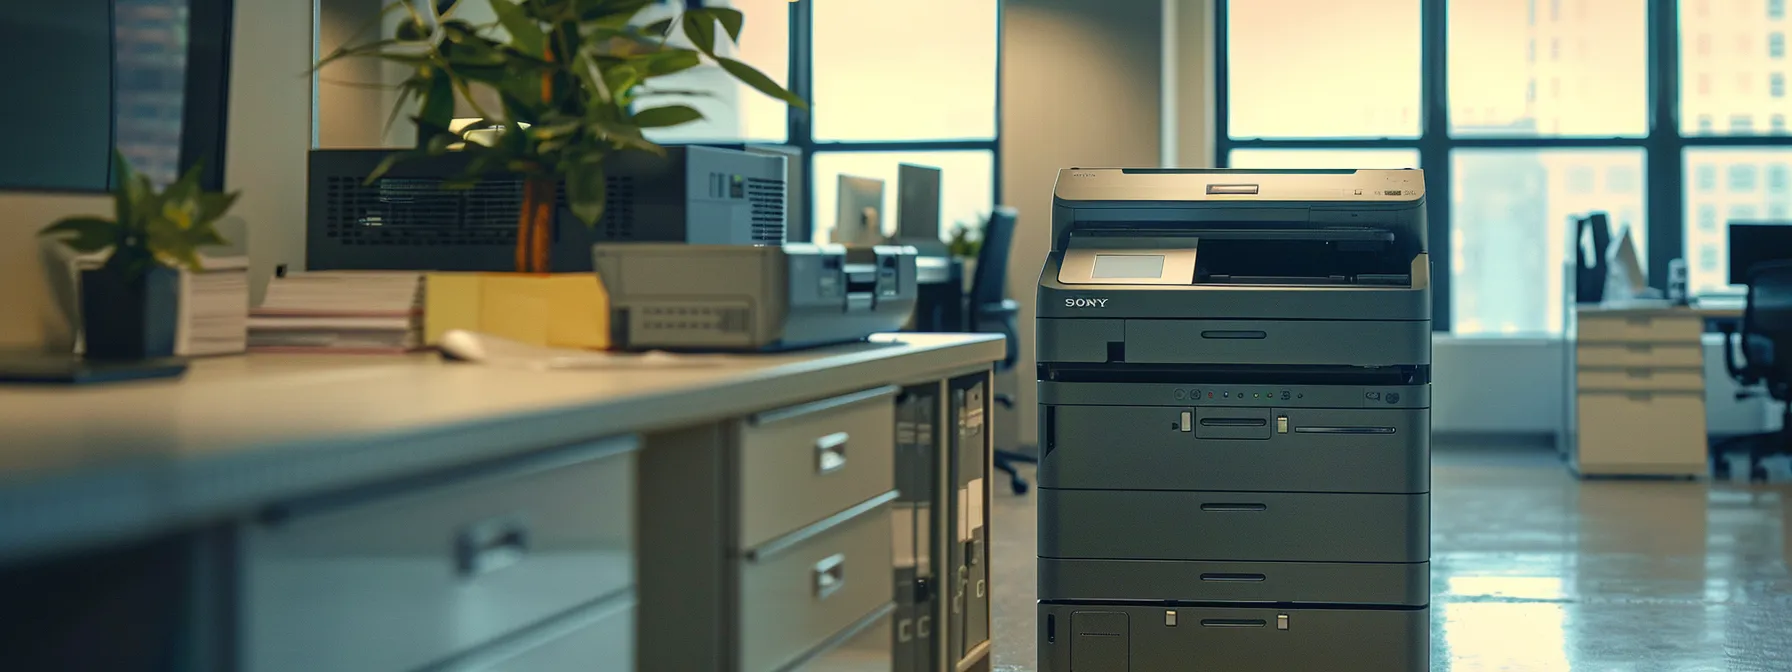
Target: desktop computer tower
(408, 220)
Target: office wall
(269, 133)
(1081, 86)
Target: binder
(974, 464)
(906, 651)
(927, 470)
(958, 578)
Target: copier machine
(1234, 390)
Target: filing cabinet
(1638, 390)
(399, 576)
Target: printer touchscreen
(1128, 266)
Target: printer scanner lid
(1153, 226)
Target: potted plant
(572, 80)
(130, 304)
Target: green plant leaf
(667, 62)
(391, 160)
(670, 115)
(213, 205)
(126, 190)
(586, 189)
(525, 34)
(658, 28)
(731, 20)
(437, 106)
(616, 12)
(756, 79)
(700, 29)
(84, 234)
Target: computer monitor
(918, 206)
(1754, 243)
(148, 79)
(1592, 238)
(860, 214)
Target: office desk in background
(298, 513)
(1636, 373)
(940, 298)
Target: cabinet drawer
(599, 639)
(795, 598)
(399, 578)
(1640, 428)
(865, 647)
(1639, 355)
(1641, 379)
(1639, 327)
(805, 463)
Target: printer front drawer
(1264, 449)
(1234, 526)
(1278, 342)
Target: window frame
(1663, 147)
(800, 129)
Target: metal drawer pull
(1234, 422)
(1344, 430)
(1640, 373)
(1233, 623)
(830, 453)
(830, 575)
(1234, 578)
(487, 547)
(905, 631)
(1229, 508)
(1639, 347)
(924, 626)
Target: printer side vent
(668, 321)
(420, 211)
(767, 199)
(618, 220)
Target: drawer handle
(1234, 508)
(1640, 347)
(1233, 623)
(924, 626)
(905, 631)
(1222, 577)
(487, 547)
(1639, 321)
(830, 453)
(830, 575)
(1234, 422)
(1641, 396)
(1639, 373)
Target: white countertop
(84, 464)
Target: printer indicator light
(1392, 192)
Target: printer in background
(1234, 386)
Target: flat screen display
(1128, 266)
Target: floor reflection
(1534, 571)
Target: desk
(274, 513)
(1636, 375)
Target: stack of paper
(340, 311)
(214, 308)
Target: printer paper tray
(1312, 583)
(1140, 638)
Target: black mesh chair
(990, 311)
(1766, 346)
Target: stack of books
(372, 312)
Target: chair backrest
(1768, 316)
(989, 284)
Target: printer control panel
(1315, 396)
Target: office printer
(1234, 387)
(742, 298)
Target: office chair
(990, 311)
(1766, 345)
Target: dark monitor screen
(1754, 243)
(146, 76)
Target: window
(876, 81)
(1748, 98)
(1744, 198)
(736, 112)
(1325, 158)
(967, 186)
(1546, 113)
(1509, 234)
(1274, 88)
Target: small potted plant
(130, 304)
(574, 83)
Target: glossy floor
(1533, 570)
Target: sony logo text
(1085, 303)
